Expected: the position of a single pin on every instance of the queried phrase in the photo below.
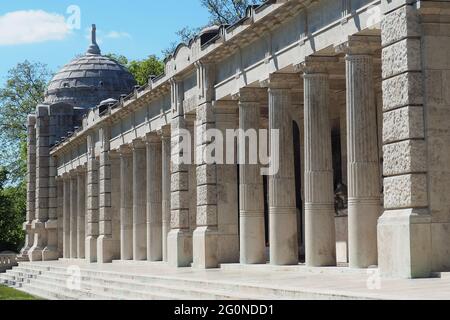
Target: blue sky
(45, 31)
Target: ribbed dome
(89, 79)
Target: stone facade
(355, 90)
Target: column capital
(80, 170)
(114, 154)
(137, 144)
(318, 65)
(360, 45)
(281, 81)
(152, 138)
(165, 132)
(125, 150)
(250, 94)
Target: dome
(89, 79)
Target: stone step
(171, 284)
(177, 285)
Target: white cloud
(118, 34)
(32, 26)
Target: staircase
(51, 282)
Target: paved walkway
(331, 281)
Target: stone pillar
(126, 203)
(66, 216)
(154, 200)
(105, 243)
(73, 215)
(165, 137)
(42, 183)
(251, 188)
(363, 168)
(92, 202)
(31, 185)
(205, 235)
(415, 139)
(50, 251)
(139, 201)
(319, 194)
(60, 214)
(114, 159)
(179, 239)
(81, 205)
(282, 202)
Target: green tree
(12, 213)
(221, 12)
(141, 69)
(227, 11)
(24, 89)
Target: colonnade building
(358, 93)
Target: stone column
(50, 251)
(251, 188)
(66, 216)
(105, 243)
(205, 235)
(92, 202)
(42, 183)
(81, 204)
(319, 194)
(139, 201)
(282, 202)
(60, 210)
(179, 239)
(363, 169)
(31, 185)
(154, 200)
(73, 215)
(126, 203)
(165, 189)
(114, 159)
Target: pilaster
(92, 226)
(126, 203)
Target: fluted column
(282, 202)
(139, 201)
(319, 196)
(31, 184)
(92, 202)
(154, 199)
(165, 189)
(81, 204)
(126, 203)
(73, 215)
(66, 216)
(251, 187)
(363, 168)
(60, 214)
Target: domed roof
(90, 79)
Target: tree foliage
(12, 213)
(141, 69)
(221, 12)
(227, 11)
(24, 89)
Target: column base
(252, 242)
(283, 236)
(363, 215)
(40, 238)
(107, 249)
(404, 244)
(29, 239)
(205, 247)
(91, 249)
(179, 248)
(320, 238)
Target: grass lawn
(12, 294)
